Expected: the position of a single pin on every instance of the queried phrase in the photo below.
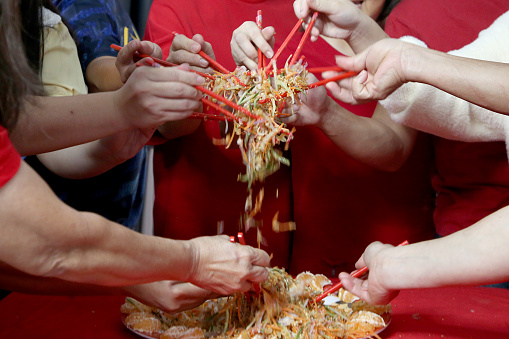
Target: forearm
(17, 281)
(474, 256)
(480, 82)
(376, 141)
(52, 123)
(366, 33)
(79, 162)
(59, 242)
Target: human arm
(60, 242)
(102, 75)
(376, 141)
(150, 98)
(388, 64)
(473, 256)
(170, 296)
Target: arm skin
(43, 237)
(473, 256)
(170, 296)
(377, 141)
(152, 97)
(102, 75)
(390, 63)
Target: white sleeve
(431, 110)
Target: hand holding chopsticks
(356, 274)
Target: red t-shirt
(338, 204)
(9, 158)
(471, 179)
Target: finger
(268, 35)
(127, 52)
(326, 7)
(177, 74)
(247, 44)
(260, 258)
(257, 275)
(172, 109)
(353, 286)
(149, 48)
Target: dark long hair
(21, 38)
(17, 78)
(386, 10)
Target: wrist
(326, 116)
(366, 33)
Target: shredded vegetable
(283, 308)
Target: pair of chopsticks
(356, 274)
(241, 238)
(228, 114)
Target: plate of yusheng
(282, 308)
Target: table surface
(456, 312)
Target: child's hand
(246, 40)
(185, 51)
(126, 64)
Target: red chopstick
(213, 63)
(227, 102)
(304, 38)
(216, 65)
(355, 274)
(324, 69)
(220, 109)
(208, 116)
(284, 44)
(335, 78)
(159, 61)
(261, 56)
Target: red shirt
(338, 204)
(471, 179)
(9, 158)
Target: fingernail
(204, 63)
(200, 79)
(270, 54)
(195, 48)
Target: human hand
(153, 96)
(170, 296)
(371, 289)
(122, 146)
(225, 267)
(185, 51)
(313, 108)
(338, 18)
(382, 71)
(125, 59)
(246, 40)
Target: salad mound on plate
(283, 307)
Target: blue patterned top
(97, 24)
(118, 193)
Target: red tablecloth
(464, 312)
